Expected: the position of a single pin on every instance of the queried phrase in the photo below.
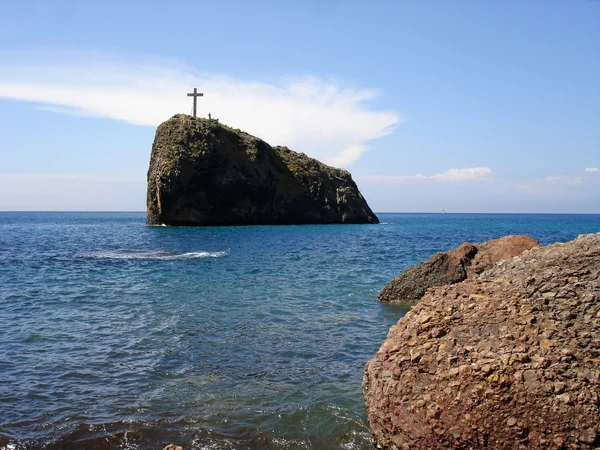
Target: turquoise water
(232, 337)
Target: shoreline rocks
(509, 359)
(453, 266)
(205, 173)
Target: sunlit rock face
(504, 360)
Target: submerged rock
(452, 267)
(205, 173)
(509, 359)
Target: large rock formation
(204, 173)
(507, 360)
(453, 266)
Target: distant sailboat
(443, 211)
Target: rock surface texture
(507, 360)
(453, 266)
(205, 173)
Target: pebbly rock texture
(205, 173)
(507, 360)
(453, 266)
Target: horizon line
(375, 212)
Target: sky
(464, 106)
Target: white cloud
(321, 118)
(467, 174)
(530, 188)
(473, 173)
(562, 179)
(592, 169)
(551, 183)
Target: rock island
(205, 173)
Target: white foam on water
(202, 254)
(155, 254)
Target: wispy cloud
(452, 175)
(551, 183)
(592, 169)
(562, 179)
(322, 118)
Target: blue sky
(467, 106)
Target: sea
(117, 335)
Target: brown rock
(173, 447)
(454, 266)
(500, 381)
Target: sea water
(118, 335)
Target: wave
(338, 426)
(155, 254)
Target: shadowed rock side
(452, 267)
(205, 173)
(507, 360)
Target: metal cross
(195, 94)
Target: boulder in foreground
(453, 266)
(510, 359)
(205, 173)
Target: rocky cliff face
(453, 266)
(204, 173)
(509, 359)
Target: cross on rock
(195, 94)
